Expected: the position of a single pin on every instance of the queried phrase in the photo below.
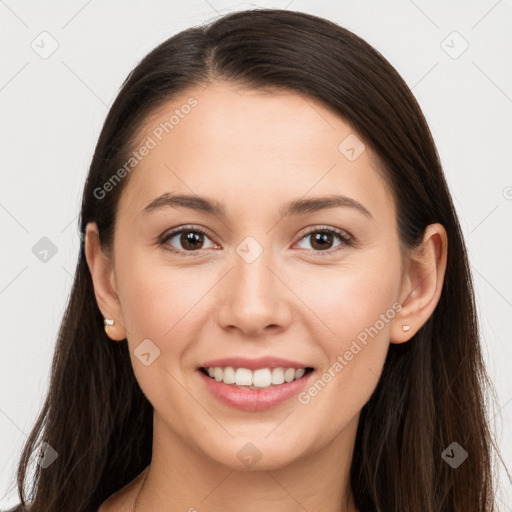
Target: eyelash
(344, 238)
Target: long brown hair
(432, 389)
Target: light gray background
(52, 110)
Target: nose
(254, 299)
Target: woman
(272, 307)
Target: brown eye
(322, 239)
(186, 241)
(191, 240)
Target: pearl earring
(107, 323)
(405, 327)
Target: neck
(181, 478)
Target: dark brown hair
(432, 389)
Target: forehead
(252, 148)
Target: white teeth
(243, 376)
(229, 375)
(258, 379)
(262, 378)
(277, 375)
(289, 374)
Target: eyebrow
(295, 207)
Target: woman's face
(263, 281)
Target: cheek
(347, 299)
(162, 304)
(165, 302)
(356, 309)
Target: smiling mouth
(262, 378)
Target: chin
(260, 454)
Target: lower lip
(254, 399)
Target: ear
(103, 277)
(422, 284)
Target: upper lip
(254, 364)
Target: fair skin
(252, 152)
